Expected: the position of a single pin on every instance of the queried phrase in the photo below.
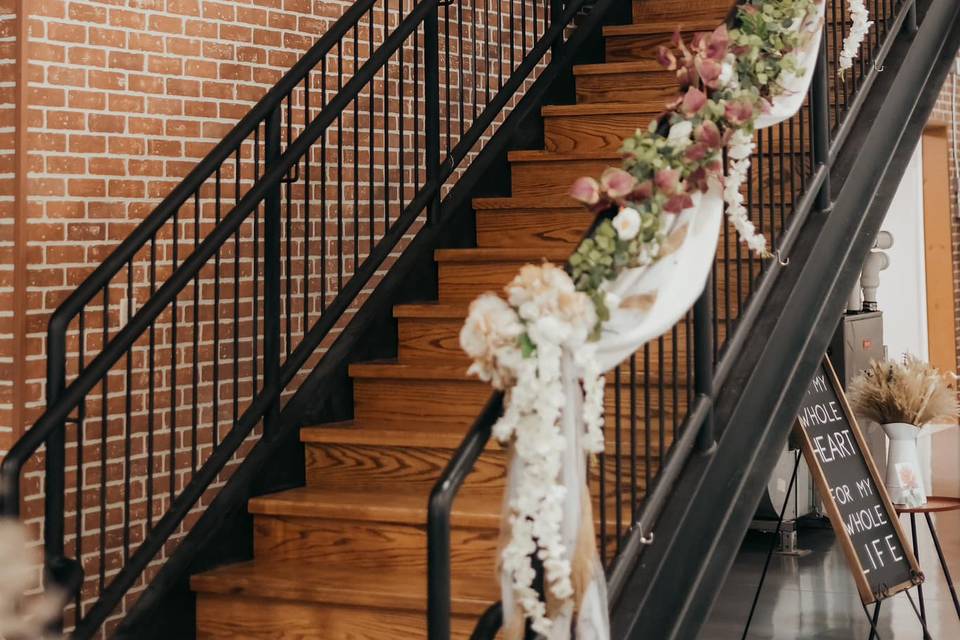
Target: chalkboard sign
(863, 517)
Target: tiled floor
(814, 597)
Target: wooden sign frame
(863, 586)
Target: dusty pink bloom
(642, 191)
(693, 101)
(586, 190)
(678, 203)
(738, 112)
(667, 179)
(695, 152)
(717, 43)
(708, 134)
(697, 181)
(709, 71)
(617, 183)
(666, 58)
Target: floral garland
(726, 79)
(859, 26)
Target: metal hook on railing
(780, 259)
(646, 538)
(879, 69)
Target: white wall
(902, 295)
(903, 291)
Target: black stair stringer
(674, 584)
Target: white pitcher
(903, 451)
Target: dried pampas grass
(910, 391)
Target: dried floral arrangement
(21, 616)
(909, 391)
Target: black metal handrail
(272, 154)
(823, 125)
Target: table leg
(943, 564)
(916, 554)
(876, 619)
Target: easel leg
(916, 554)
(874, 620)
(776, 538)
(943, 564)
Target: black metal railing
(179, 350)
(663, 396)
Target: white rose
(680, 133)
(726, 72)
(627, 222)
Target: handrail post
(820, 123)
(271, 276)
(431, 42)
(55, 463)
(703, 357)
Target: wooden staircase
(345, 556)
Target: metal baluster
(340, 166)
(104, 424)
(703, 362)
(236, 300)
(618, 453)
(647, 421)
(151, 385)
(195, 418)
(308, 196)
(271, 280)
(356, 162)
(127, 424)
(323, 193)
(55, 457)
(820, 124)
(78, 497)
(634, 506)
(173, 367)
(661, 399)
(216, 316)
(431, 43)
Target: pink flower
(666, 58)
(738, 112)
(642, 192)
(667, 179)
(693, 101)
(717, 43)
(678, 203)
(697, 181)
(617, 183)
(696, 152)
(708, 134)
(586, 190)
(709, 71)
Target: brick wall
(123, 97)
(947, 110)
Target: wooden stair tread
(601, 109)
(524, 202)
(322, 583)
(443, 310)
(470, 509)
(503, 254)
(655, 74)
(554, 156)
(334, 433)
(652, 27)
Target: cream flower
(680, 133)
(627, 223)
(490, 333)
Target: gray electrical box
(858, 340)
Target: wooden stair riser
(464, 281)
(228, 617)
(453, 405)
(519, 228)
(779, 178)
(437, 341)
(392, 548)
(643, 87)
(628, 48)
(592, 132)
(667, 10)
(378, 467)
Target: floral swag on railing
(549, 342)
